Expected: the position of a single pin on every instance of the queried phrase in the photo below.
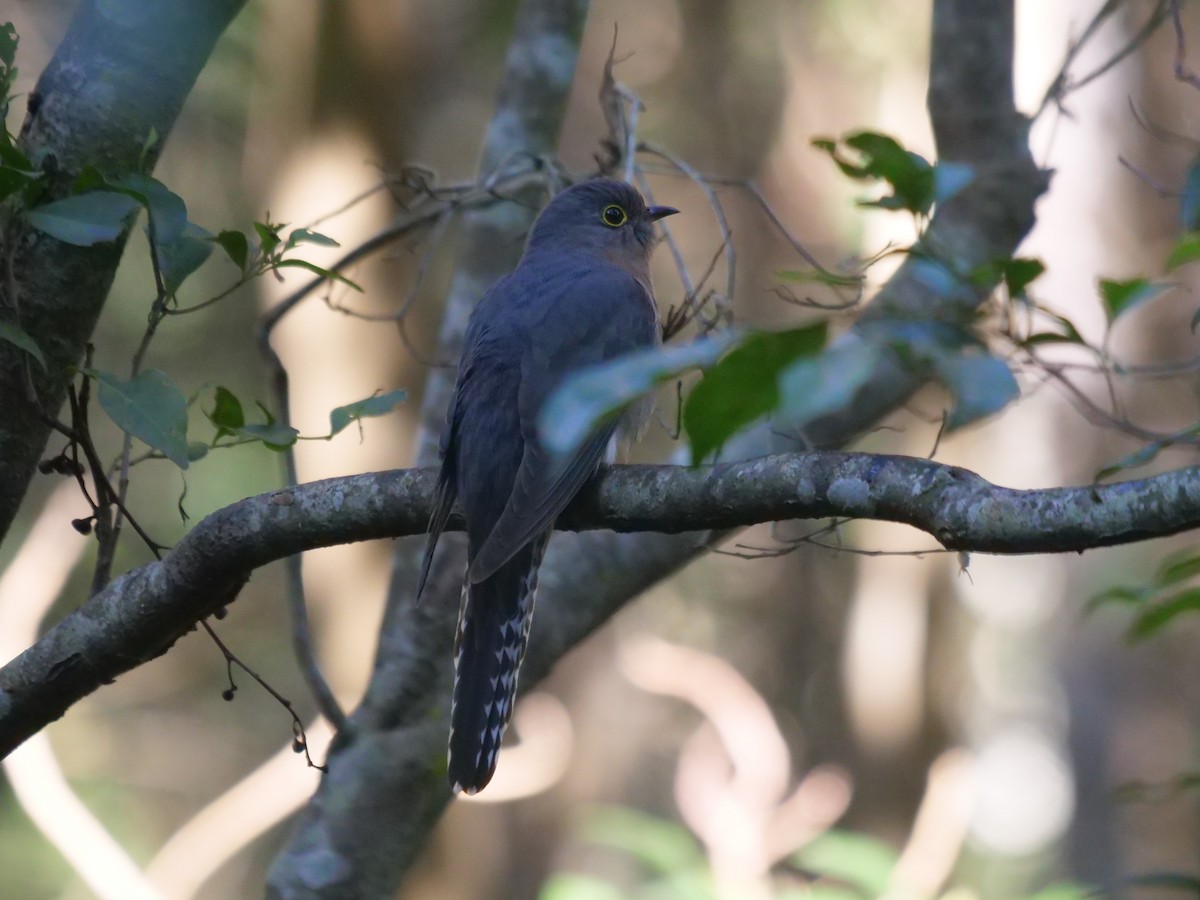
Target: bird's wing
(541, 491)
(443, 495)
(446, 491)
(443, 502)
(609, 314)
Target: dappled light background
(961, 711)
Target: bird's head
(601, 216)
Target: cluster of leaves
(1172, 591)
(151, 408)
(100, 209)
(836, 865)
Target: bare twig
(299, 738)
(1182, 71)
(1062, 84)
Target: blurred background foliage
(961, 722)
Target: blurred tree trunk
(386, 789)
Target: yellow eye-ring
(614, 216)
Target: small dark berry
(227, 694)
(297, 746)
(83, 526)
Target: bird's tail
(493, 629)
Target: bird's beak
(654, 213)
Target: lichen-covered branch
(122, 72)
(142, 612)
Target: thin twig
(714, 203)
(300, 739)
(1062, 84)
(1182, 72)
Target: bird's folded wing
(443, 502)
(446, 491)
(542, 490)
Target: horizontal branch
(140, 614)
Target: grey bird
(579, 296)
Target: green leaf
(304, 236)
(376, 405)
(196, 450)
(151, 408)
(316, 270)
(743, 386)
(85, 219)
(268, 236)
(1071, 334)
(1019, 273)
(1177, 567)
(818, 385)
(167, 209)
(1186, 250)
(879, 157)
(183, 256)
(1047, 337)
(587, 397)
(227, 414)
(573, 886)
(14, 178)
(1138, 458)
(91, 179)
(13, 158)
(855, 859)
(236, 247)
(1153, 619)
(274, 435)
(662, 846)
(1174, 881)
(1119, 296)
(15, 336)
(1066, 891)
(909, 174)
(1112, 597)
(981, 385)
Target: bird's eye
(614, 216)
